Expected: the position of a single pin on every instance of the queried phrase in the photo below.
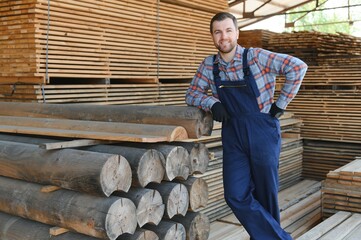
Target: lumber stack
(255, 38)
(341, 225)
(300, 207)
(290, 168)
(341, 189)
(53, 41)
(317, 48)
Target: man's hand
(276, 111)
(219, 113)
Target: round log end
(199, 157)
(151, 167)
(200, 227)
(140, 234)
(116, 175)
(121, 218)
(178, 201)
(150, 208)
(177, 164)
(179, 133)
(198, 194)
(206, 124)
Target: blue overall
(251, 148)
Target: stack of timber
(290, 169)
(51, 41)
(317, 48)
(255, 38)
(125, 190)
(341, 189)
(300, 207)
(340, 226)
(100, 94)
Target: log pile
(341, 189)
(300, 207)
(122, 190)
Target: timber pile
(290, 169)
(341, 189)
(300, 207)
(100, 94)
(255, 38)
(81, 40)
(317, 48)
(340, 226)
(118, 191)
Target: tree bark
(168, 230)
(17, 228)
(149, 204)
(77, 170)
(197, 225)
(194, 120)
(198, 192)
(101, 217)
(175, 197)
(147, 164)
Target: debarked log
(139, 234)
(197, 225)
(146, 164)
(175, 197)
(101, 217)
(149, 204)
(196, 121)
(82, 171)
(17, 228)
(168, 230)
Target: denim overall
(251, 148)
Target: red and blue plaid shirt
(264, 65)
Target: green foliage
(329, 21)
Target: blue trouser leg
(250, 183)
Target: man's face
(224, 35)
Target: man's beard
(226, 50)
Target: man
(242, 82)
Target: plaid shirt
(264, 65)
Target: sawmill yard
(97, 142)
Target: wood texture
(94, 216)
(77, 170)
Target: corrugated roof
(252, 11)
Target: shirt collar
(237, 57)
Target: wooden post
(102, 217)
(198, 192)
(17, 228)
(149, 204)
(146, 164)
(197, 225)
(168, 230)
(78, 170)
(175, 197)
(194, 120)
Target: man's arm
(293, 68)
(197, 91)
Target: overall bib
(251, 148)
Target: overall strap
(216, 77)
(248, 74)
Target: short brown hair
(221, 16)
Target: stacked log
(341, 189)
